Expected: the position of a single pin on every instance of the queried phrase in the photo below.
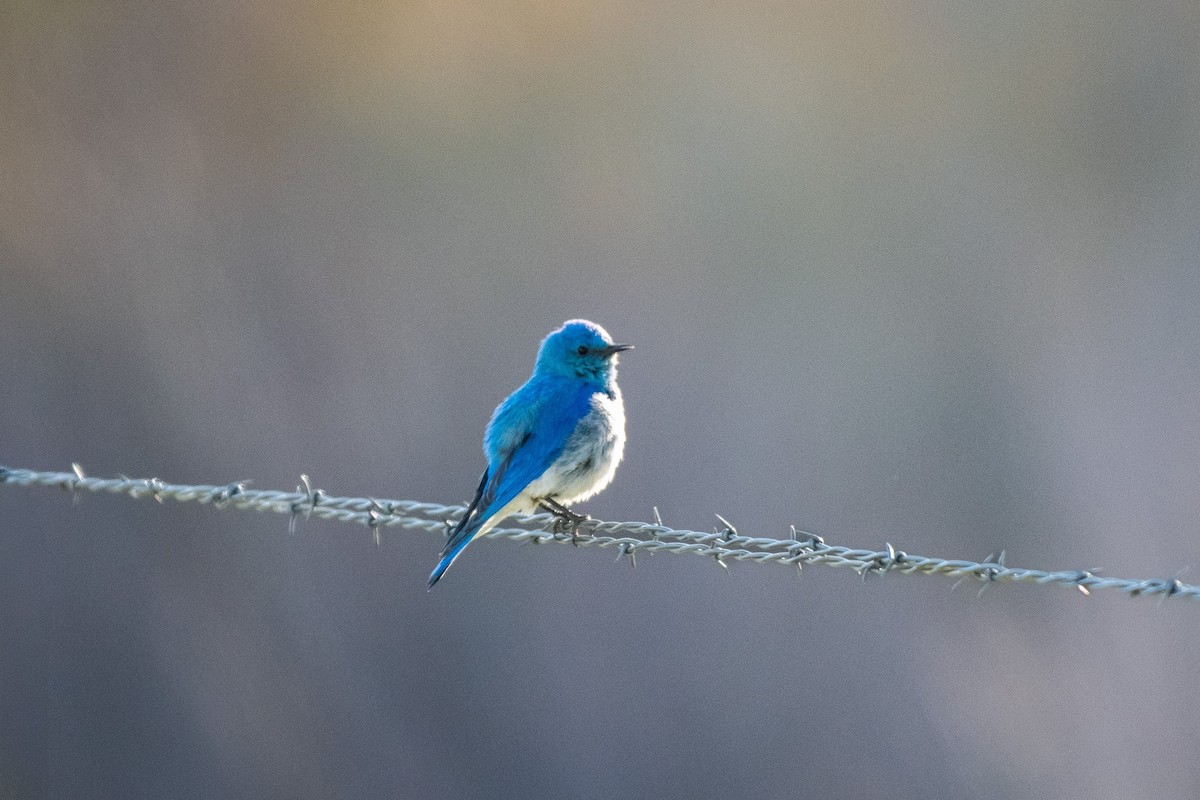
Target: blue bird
(556, 440)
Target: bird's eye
(583, 351)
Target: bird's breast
(591, 453)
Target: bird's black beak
(613, 349)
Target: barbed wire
(723, 545)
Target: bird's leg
(563, 518)
(562, 512)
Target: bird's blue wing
(537, 430)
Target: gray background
(919, 272)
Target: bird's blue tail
(447, 560)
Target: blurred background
(920, 272)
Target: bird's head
(580, 349)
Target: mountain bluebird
(556, 440)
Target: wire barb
(375, 516)
(628, 538)
(306, 504)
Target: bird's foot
(564, 519)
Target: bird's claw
(565, 520)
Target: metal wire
(629, 538)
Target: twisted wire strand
(629, 538)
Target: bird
(555, 441)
